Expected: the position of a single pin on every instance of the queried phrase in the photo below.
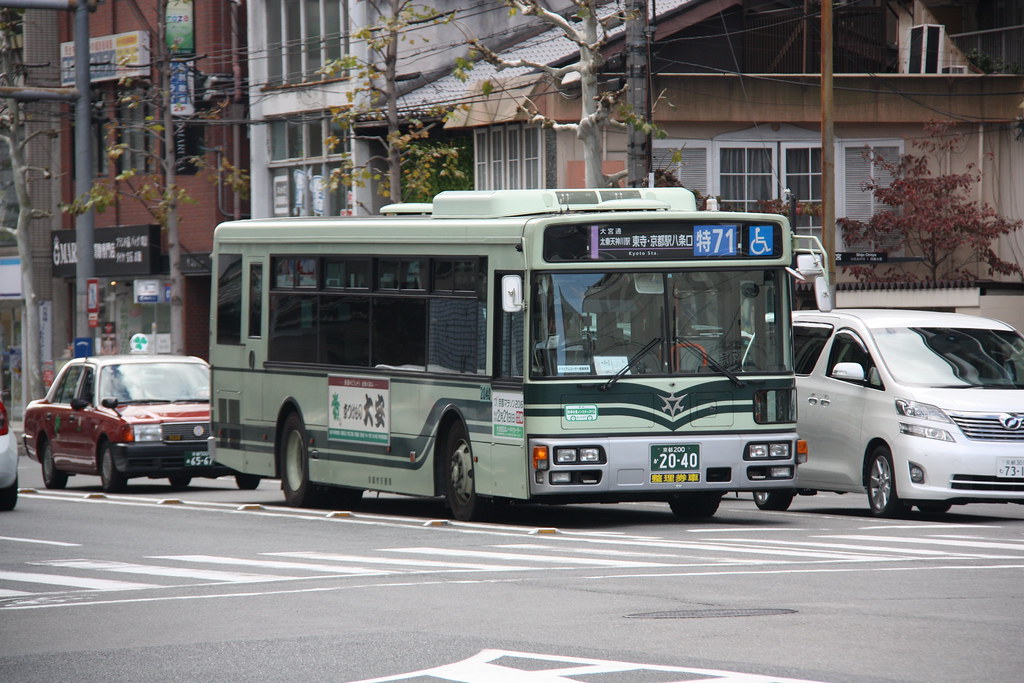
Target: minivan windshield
(953, 357)
(678, 322)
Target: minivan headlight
(922, 411)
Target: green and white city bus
(523, 345)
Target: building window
(802, 177)
(508, 157)
(302, 168)
(746, 177)
(303, 36)
(133, 131)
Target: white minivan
(914, 408)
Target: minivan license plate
(198, 459)
(1010, 467)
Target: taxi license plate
(1010, 467)
(198, 459)
(675, 464)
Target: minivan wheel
(882, 494)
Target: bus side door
(508, 471)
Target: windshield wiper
(707, 359)
(633, 360)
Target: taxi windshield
(155, 382)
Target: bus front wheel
(460, 476)
(298, 490)
(695, 505)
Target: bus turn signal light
(540, 458)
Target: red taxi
(126, 416)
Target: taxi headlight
(147, 432)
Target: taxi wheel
(180, 481)
(52, 477)
(112, 481)
(695, 505)
(882, 495)
(772, 500)
(247, 482)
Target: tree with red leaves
(931, 217)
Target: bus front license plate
(675, 464)
(198, 459)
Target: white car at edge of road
(8, 463)
(914, 408)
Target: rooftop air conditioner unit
(926, 49)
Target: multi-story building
(736, 89)
(196, 68)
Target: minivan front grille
(176, 432)
(981, 427)
(975, 482)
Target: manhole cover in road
(709, 613)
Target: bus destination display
(661, 241)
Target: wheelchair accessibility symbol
(760, 240)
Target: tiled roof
(551, 47)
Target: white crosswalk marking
(74, 581)
(153, 570)
(528, 557)
(651, 557)
(964, 543)
(334, 557)
(272, 564)
(875, 548)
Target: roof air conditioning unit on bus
(926, 50)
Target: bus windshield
(694, 322)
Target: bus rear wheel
(294, 456)
(460, 476)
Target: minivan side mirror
(853, 372)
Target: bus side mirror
(809, 266)
(512, 293)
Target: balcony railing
(997, 50)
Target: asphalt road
(212, 583)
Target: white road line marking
(155, 570)
(74, 581)
(38, 540)
(4, 593)
(527, 557)
(334, 557)
(488, 666)
(271, 564)
(883, 549)
(933, 541)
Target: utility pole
(637, 92)
(169, 158)
(828, 176)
